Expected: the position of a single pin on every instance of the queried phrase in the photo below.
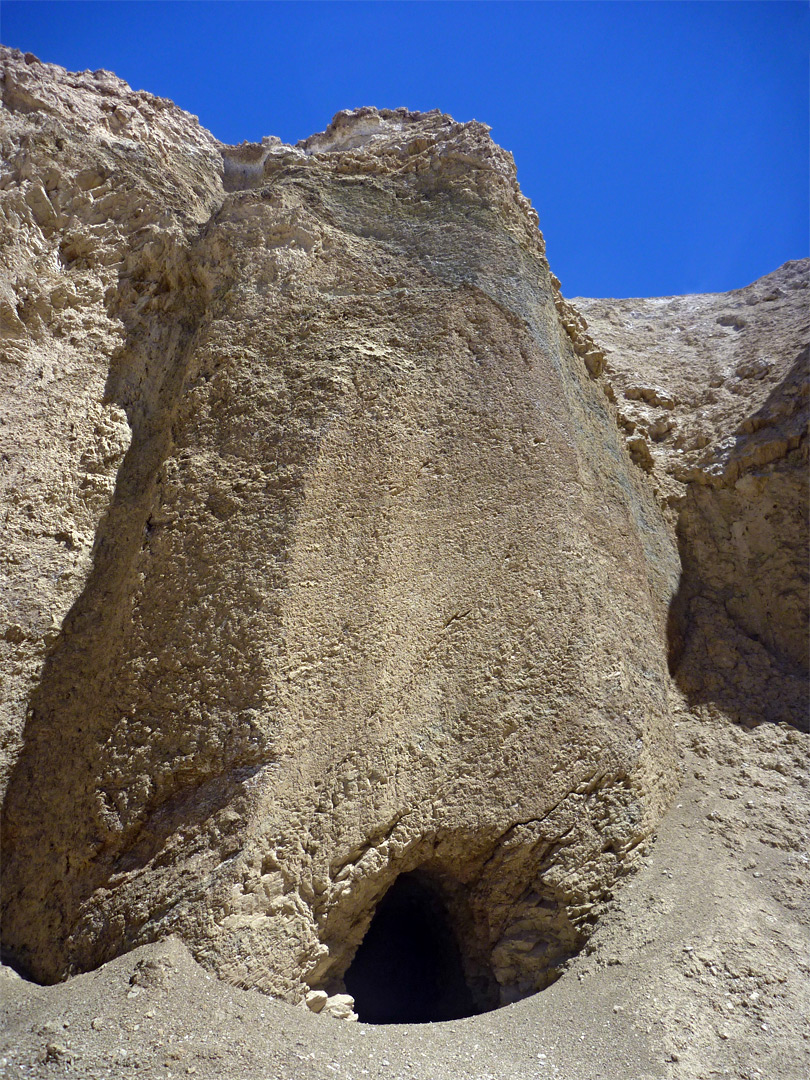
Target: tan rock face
(93, 186)
(712, 392)
(368, 586)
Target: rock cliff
(712, 393)
(333, 579)
(345, 573)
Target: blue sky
(664, 145)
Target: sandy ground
(698, 969)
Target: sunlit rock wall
(349, 573)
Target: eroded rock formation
(327, 560)
(712, 392)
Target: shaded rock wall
(100, 190)
(712, 393)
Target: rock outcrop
(334, 586)
(342, 571)
(712, 393)
(101, 191)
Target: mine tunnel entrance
(408, 967)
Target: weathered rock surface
(712, 392)
(93, 188)
(363, 581)
(698, 967)
(340, 550)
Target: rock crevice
(728, 456)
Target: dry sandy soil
(699, 969)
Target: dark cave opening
(408, 967)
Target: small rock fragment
(340, 1006)
(316, 999)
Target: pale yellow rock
(368, 582)
(316, 999)
(713, 391)
(339, 1007)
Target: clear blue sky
(664, 145)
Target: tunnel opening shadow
(408, 968)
